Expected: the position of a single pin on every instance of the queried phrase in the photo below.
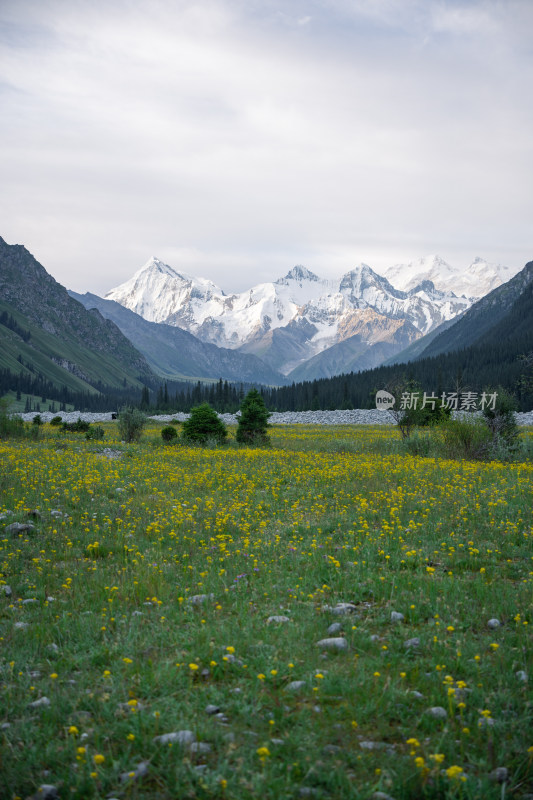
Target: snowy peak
(157, 291)
(298, 274)
(479, 278)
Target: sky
(234, 139)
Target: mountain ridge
(309, 313)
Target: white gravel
(361, 416)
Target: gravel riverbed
(360, 416)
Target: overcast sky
(236, 138)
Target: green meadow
(166, 613)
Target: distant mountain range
(489, 346)
(304, 326)
(298, 328)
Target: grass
(326, 515)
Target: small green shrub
(468, 438)
(131, 424)
(168, 433)
(203, 425)
(10, 427)
(501, 421)
(95, 432)
(56, 421)
(80, 426)
(37, 420)
(418, 444)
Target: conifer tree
(253, 420)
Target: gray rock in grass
(334, 628)
(493, 623)
(184, 738)
(200, 748)
(295, 686)
(21, 626)
(42, 702)
(336, 643)
(341, 609)
(198, 599)
(139, 772)
(396, 616)
(500, 774)
(521, 675)
(212, 709)
(437, 712)
(46, 791)
(6, 590)
(19, 527)
(279, 618)
(412, 644)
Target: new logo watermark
(456, 401)
(384, 400)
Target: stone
(485, 722)
(21, 626)
(42, 702)
(139, 772)
(295, 686)
(493, 623)
(396, 616)
(412, 644)
(212, 709)
(281, 618)
(341, 609)
(334, 628)
(500, 774)
(183, 738)
(337, 643)
(29, 601)
(198, 599)
(437, 712)
(19, 527)
(418, 695)
(521, 675)
(46, 791)
(6, 590)
(200, 748)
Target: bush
(55, 421)
(501, 421)
(168, 433)
(253, 420)
(203, 425)
(131, 423)
(10, 427)
(467, 438)
(418, 445)
(37, 420)
(80, 426)
(96, 432)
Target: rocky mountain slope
(60, 340)
(176, 354)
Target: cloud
(251, 135)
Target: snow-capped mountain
(156, 291)
(477, 280)
(295, 318)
